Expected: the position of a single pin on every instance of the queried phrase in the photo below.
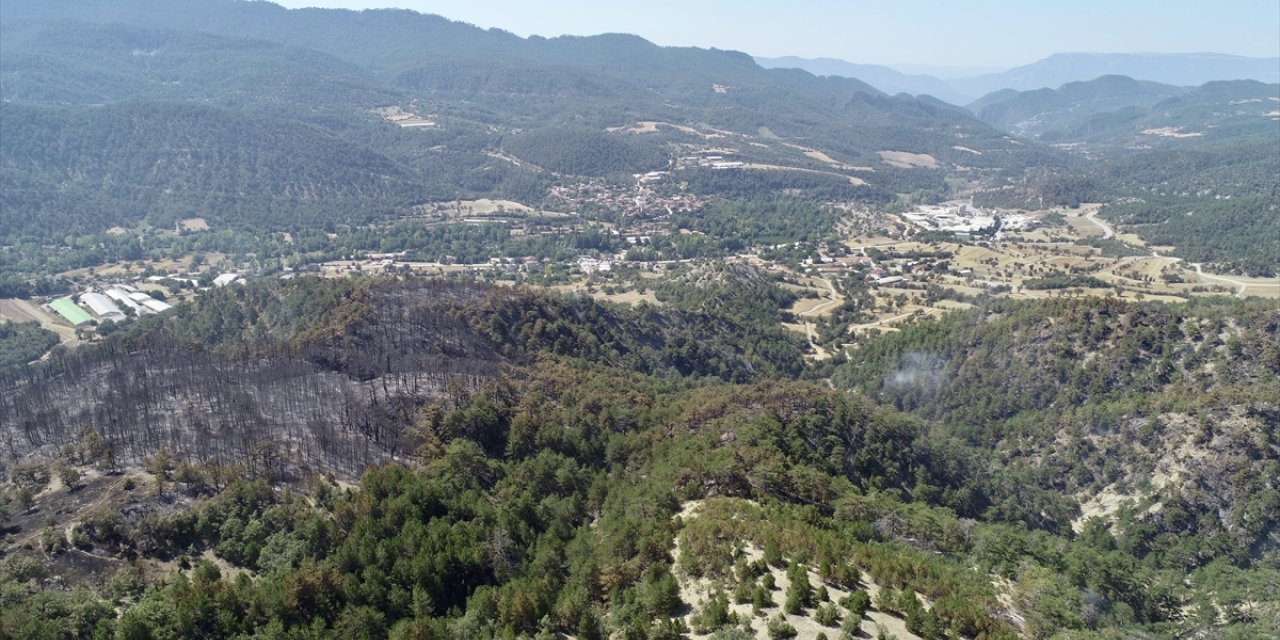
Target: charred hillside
(328, 375)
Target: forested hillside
(381, 56)
(1213, 113)
(305, 105)
(338, 369)
(78, 170)
(23, 343)
(1078, 396)
(479, 336)
(1212, 203)
(1195, 171)
(68, 62)
(530, 453)
(1038, 112)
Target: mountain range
(506, 117)
(1187, 69)
(507, 114)
(884, 78)
(1117, 111)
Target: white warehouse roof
(156, 305)
(102, 306)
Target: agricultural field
(20, 311)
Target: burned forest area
(335, 324)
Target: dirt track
(24, 311)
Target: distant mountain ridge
(1119, 112)
(1179, 69)
(507, 115)
(1034, 112)
(884, 78)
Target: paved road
(1109, 232)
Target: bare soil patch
(25, 311)
(193, 224)
(647, 126)
(906, 160)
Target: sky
(911, 33)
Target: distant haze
(1184, 70)
(976, 33)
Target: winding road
(1108, 231)
(808, 326)
(1244, 286)
(835, 299)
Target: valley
(615, 237)
(364, 324)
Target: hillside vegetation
(531, 489)
(79, 170)
(587, 338)
(1191, 168)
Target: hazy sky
(990, 33)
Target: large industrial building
(102, 306)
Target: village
(922, 262)
(640, 199)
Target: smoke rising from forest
(917, 370)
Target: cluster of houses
(887, 270)
(873, 273)
(958, 218)
(108, 305)
(632, 201)
(403, 118)
(591, 265)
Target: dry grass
(21, 311)
(695, 591)
(193, 224)
(179, 265)
(820, 156)
(25, 311)
(905, 160)
(646, 126)
(629, 297)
